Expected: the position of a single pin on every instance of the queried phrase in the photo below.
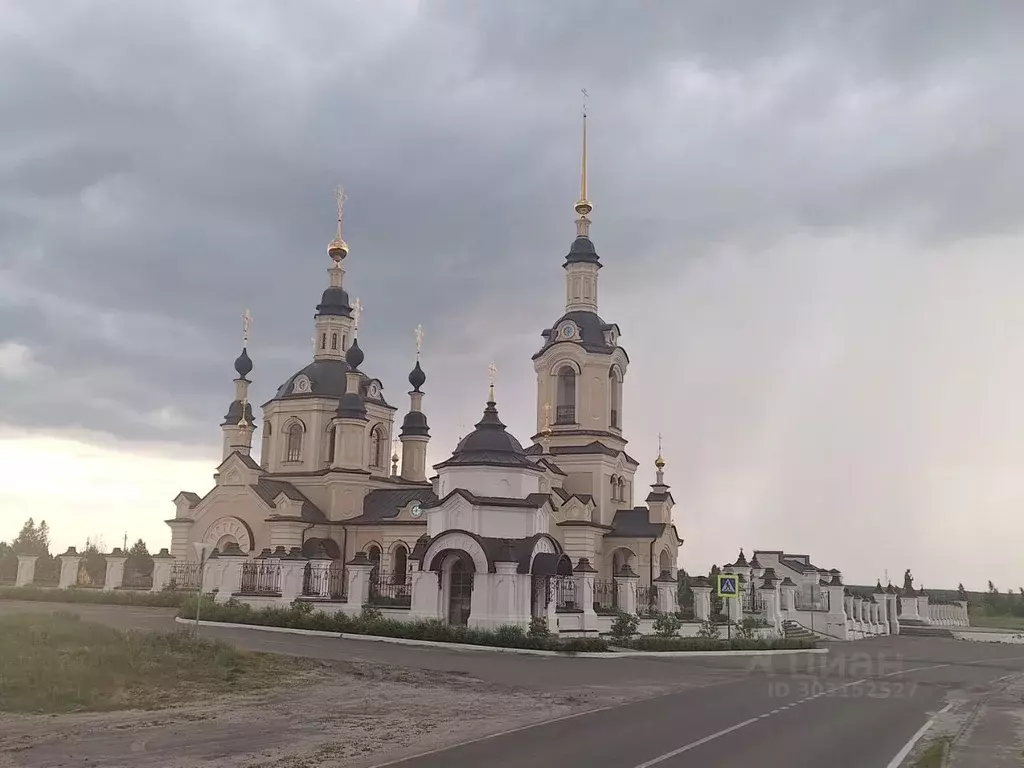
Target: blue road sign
(728, 585)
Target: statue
(908, 581)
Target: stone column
(789, 595)
(115, 570)
(359, 568)
(69, 568)
(892, 612)
(162, 562)
(626, 582)
(26, 570)
(293, 569)
(770, 595)
(836, 623)
(426, 593)
(585, 575)
(230, 562)
(701, 602)
(180, 527)
(908, 605)
(922, 608)
(668, 596)
(319, 570)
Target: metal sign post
(728, 587)
(203, 553)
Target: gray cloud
(162, 168)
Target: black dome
(417, 377)
(415, 423)
(334, 302)
(489, 444)
(234, 414)
(582, 250)
(351, 406)
(591, 330)
(326, 379)
(243, 365)
(354, 357)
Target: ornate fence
(186, 576)
(563, 589)
(326, 582)
(391, 590)
(753, 600)
(816, 601)
(260, 578)
(646, 600)
(606, 597)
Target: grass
(933, 754)
(164, 599)
(980, 619)
(54, 663)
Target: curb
(459, 647)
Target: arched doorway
(622, 557)
(460, 573)
(665, 562)
(399, 560)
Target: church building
(328, 481)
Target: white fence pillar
(26, 570)
(115, 569)
(69, 568)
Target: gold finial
(246, 326)
(492, 371)
(419, 340)
(338, 249)
(583, 205)
(243, 423)
(659, 462)
(357, 313)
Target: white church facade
(495, 520)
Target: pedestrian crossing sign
(728, 585)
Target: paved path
(854, 708)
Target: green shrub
(539, 627)
(749, 626)
(372, 612)
(299, 617)
(667, 625)
(709, 630)
(654, 643)
(167, 599)
(625, 625)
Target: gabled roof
(635, 524)
(269, 490)
(565, 495)
(550, 465)
(593, 447)
(249, 461)
(384, 504)
(192, 498)
(533, 501)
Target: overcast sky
(810, 215)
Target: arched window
(294, 442)
(334, 341)
(323, 341)
(565, 409)
(332, 437)
(344, 342)
(615, 488)
(614, 395)
(378, 447)
(622, 489)
(374, 554)
(400, 562)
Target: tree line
(34, 539)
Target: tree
(32, 540)
(961, 593)
(139, 560)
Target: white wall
(489, 481)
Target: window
(332, 437)
(378, 447)
(294, 442)
(323, 341)
(344, 343)
(374, 554)
(565, 409)
(614, 395)
(400, 559)
(334, 341)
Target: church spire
(583, 205)
(334, 322)
(239, 423)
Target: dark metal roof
(334, 302)
(243, 365)
(550, 465)
(590, 448)
(497, 550)
(533, 501)
(234, 414)
(635, 524)
(415, 423)
(386, 503)
(326, 378)
(489, 444)
(591, 337)
(582, 250)
(269, 490)
(417, 377)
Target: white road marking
(902, 754)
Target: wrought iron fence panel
(260, 578)
(391, 590)
(606, 597)
(186, 576)
(564, 590)
(686, 613)
(753, 601)
(819, 601)
(647, 600)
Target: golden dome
(338, 249)
(659, 462)
(583, 207)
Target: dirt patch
(336, 715)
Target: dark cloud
(164, 167)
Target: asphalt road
(854, 708)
